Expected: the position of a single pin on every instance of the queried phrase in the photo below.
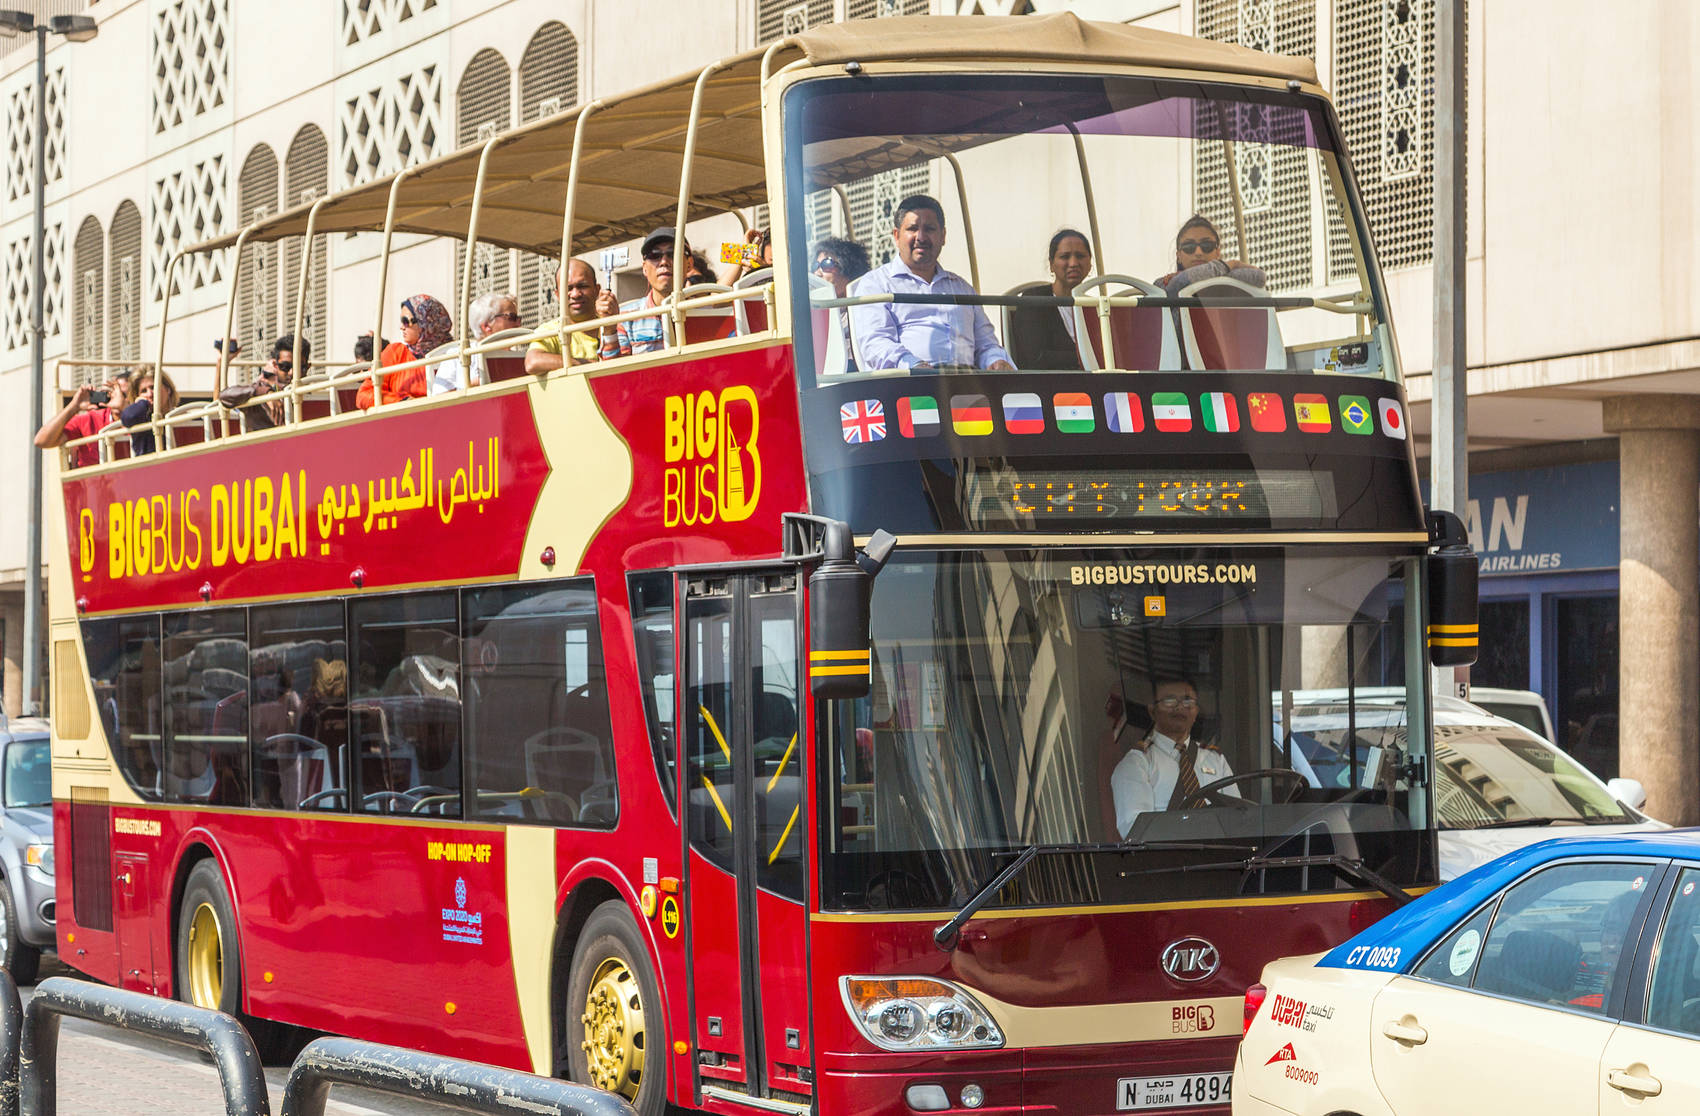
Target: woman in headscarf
(424, 326)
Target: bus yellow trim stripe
(860, 668)
(1454, 629)
(820, 656)
(1115, 908)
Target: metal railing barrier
(220, 1035)
(464, 1086)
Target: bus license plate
(1145, 1093)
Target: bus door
(745, 805)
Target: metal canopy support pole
(1091, 201)
(32, 705)
(677, 314)
(568, 214)
(1449, 471)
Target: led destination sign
(999, 493)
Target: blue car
(1561, 979)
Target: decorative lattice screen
(19, 267)
(88, 291)
(124, 284)
(363, 20)
(258, 279)
(1274, 179)
(776, 19)
(307, 177)
(191, 63)
(390, 126)
(185, 207)
(20, 136)
(1384, 94)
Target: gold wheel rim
(206, 958)
(613, 1029)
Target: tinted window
(536, 693)
(1673, 998)
(404, 703)
(29, 773)
(1559, 934)
(708, 727)
(298, 709)
(206, 701)
(778, 756)
(652, 630)
(1454, 960)
(123, 660)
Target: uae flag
(1266, 413)
(918, 416)
(1122, 411)
(1171, 412)
(1220, 413)
(970, 415)
(863, 420)
(1023, 413)
(1311, 412)
(1392, 418)
(1074, 412)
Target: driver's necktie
(1186, 782)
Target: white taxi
(1562, 979)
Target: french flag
(1124, 413)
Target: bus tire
(615, 1036)
(17, 956)
(209, 956)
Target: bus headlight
(39, 856)
(918, 1013)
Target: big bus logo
(85, 542)
(713, 466)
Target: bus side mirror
(1453, 626)
(840, 597)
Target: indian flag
(1220, 413)
(1171, 412)
(1074, 412)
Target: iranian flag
(1171, 412)
(1220, 413)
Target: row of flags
(1124, 412)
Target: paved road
(107, 1072)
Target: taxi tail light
(1254, 997)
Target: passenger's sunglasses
(406, 321)
(826, 263)
(1197, 246)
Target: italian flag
(1220, 413)
(1171, 412)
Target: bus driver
(1160, 771)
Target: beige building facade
(186, 118)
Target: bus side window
(652, 632)
(206, 707)
(123, 657)
(298, 711)
(538, 729)
(404, 703)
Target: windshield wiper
(947, 935)
(1349, 867)
(1513, 823)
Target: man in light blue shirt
(921, 336)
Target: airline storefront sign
(431, 494)
(1533, 521)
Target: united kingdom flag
(863, 421)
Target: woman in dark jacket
(1042, 337)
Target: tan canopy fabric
(634, 143)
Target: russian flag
(1023, 414)
(1123, 412)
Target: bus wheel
(17, 956)
(209, 961)
(613, 1012)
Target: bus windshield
(1127, 223)
(1024, 697)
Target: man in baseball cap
(643, 335)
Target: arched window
(257, 280)
(483, 107)
(88, 296)
(124, 284)
(307, 177)
(548, 84)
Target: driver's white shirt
(1145, 778)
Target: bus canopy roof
(634, 143)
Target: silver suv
(26, 846)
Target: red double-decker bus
(777, 720)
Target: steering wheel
(1212, 792)
(897, 887)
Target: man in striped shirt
(644, 335)
(921, 336)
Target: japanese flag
(1392, 418)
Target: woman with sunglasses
(424, 326)
(840, 262)
(1043, 336)
(1198, 256)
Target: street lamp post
(78, 29)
